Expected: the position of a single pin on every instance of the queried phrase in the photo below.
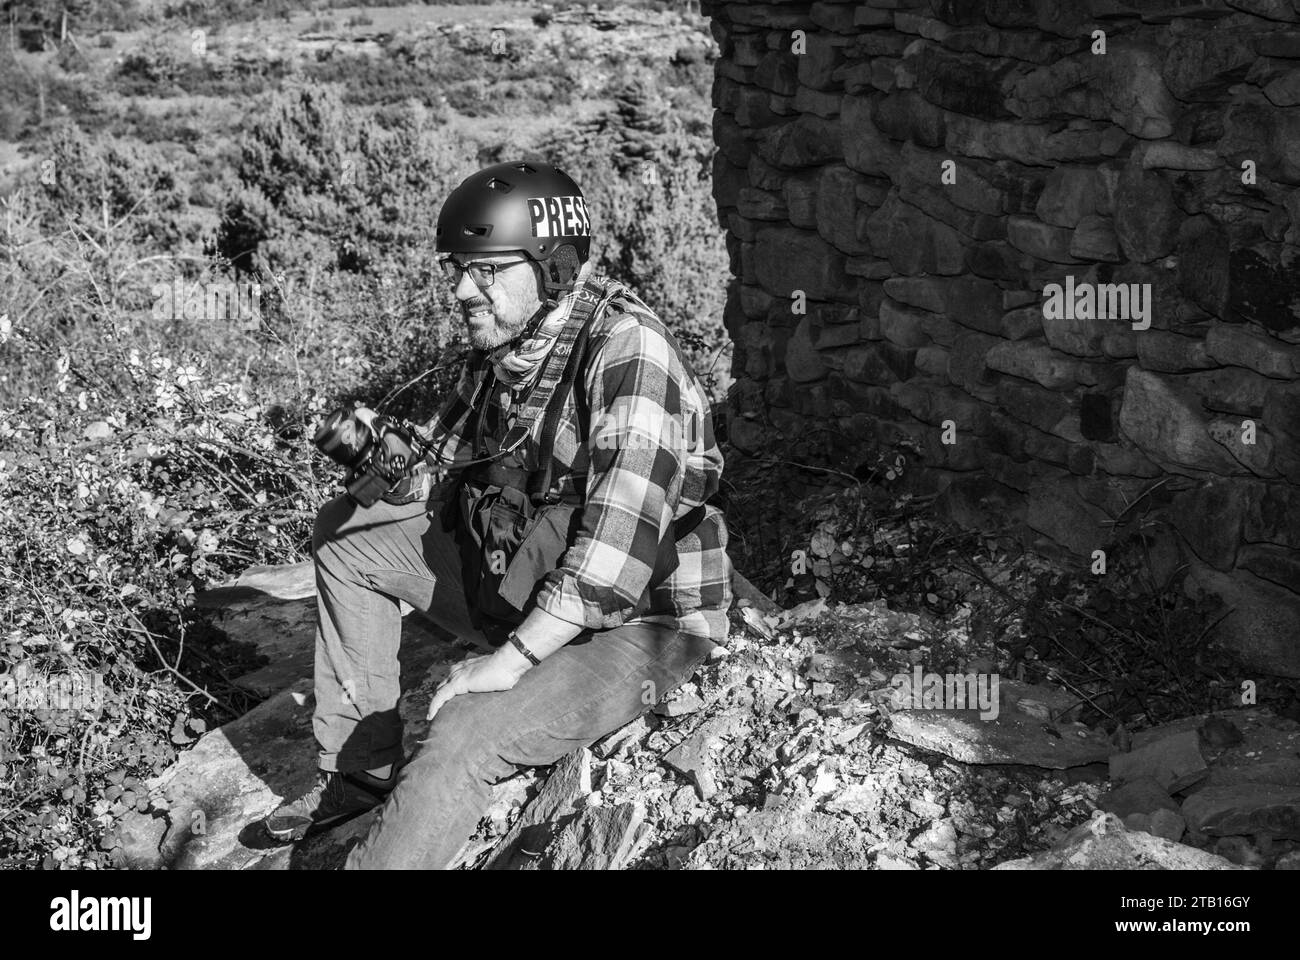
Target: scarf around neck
(517, 362)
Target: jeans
(367, 559)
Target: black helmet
(525, 205)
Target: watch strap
(519, 645)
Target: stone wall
(904, 181)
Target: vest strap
(589, 298)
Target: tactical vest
(512, 525)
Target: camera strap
(560, 371)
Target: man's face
(497, 313)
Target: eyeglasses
(482, 272)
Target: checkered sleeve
(447, 429)
(637, 460)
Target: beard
(490, 332)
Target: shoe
(334, 799)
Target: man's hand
(497, 671)
(541, 632)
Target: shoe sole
(294, 834)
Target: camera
(379, 454)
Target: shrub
(139, 460)
(153, 64)
(130, 479)
(47, 93)
(648, 181)
(84, 16)
(71, 59)
(98, 181)
(123, 496)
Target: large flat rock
(219, 791)
(1268, 750)
(274, 608)
(1118, 849)
(1013, 737)
(1174, 761)
(281, 581)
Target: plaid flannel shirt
(650, 457)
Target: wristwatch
(519, 645)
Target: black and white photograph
(651, 435)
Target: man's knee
(470, 725)
(463, 742)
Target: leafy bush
(84, 16)
(130, 479)
(47, 94)
(105, 540)
(93, 182)
(153, 64)
(158, 69)
(351, 203)
(220, 12)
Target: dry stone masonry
(1052, 246)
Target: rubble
(685, 700)
(598, 838)
(622, 740)
(1119, 849)
(565, 790)
(1288, 861)
(1218, 732)
(692, 757)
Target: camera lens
(343, 438)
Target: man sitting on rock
(572, 533)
